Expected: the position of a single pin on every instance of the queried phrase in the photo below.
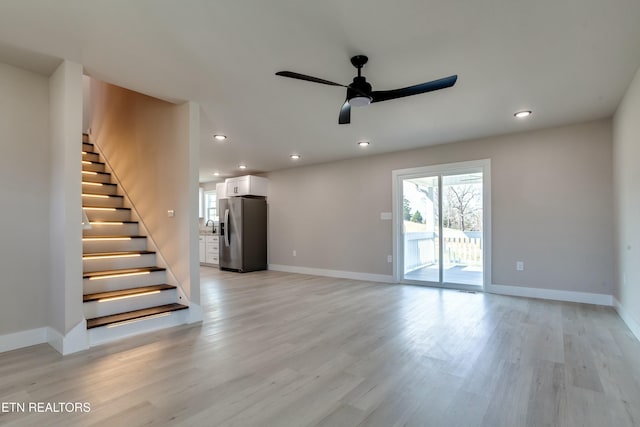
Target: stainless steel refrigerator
(243, 234)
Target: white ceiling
(567, 60)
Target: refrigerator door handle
(227, 240)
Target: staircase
(125, 291)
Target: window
(210, 206)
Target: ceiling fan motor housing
(359, 92)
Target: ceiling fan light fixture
(360, 101)
(522, 114)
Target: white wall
(626, 148)
(24, 194)
(153, 147)
(551, 208)
(65, 109)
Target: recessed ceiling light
(219, 137)
(522, 114)
(363, 143)
(242, 166)
(216, 174)
(295, 156)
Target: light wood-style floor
(280, 349)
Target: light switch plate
(171, 213)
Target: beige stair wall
(153, 148)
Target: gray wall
(24, 192)
(551, 208)
(627, 182)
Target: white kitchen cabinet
(248, 185)
(201, 242)
(211, 255)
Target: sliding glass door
(441, 223)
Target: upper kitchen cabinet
(248, 185)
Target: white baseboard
(551, 294)
(22, 339)
(368, 277)
(77, 339)
(624, 314)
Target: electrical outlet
(389, 258)
(295, 253)
(520, 265)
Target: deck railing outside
(421, 250)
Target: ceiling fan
(360, 93)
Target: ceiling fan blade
(385, 95)
(345, 113)
(304, 77)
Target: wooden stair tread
(122, 271)
(107, 207)
(103, 183)
(95, 162)
(99, 254)
(131, 315)
(113, 221)
(111, 237)
(126, 292)
(99, 194)
(96, 172)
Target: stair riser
(94, 167)
(127, 282)
(96, 178)
(111, 230)
(104, 264)
(114, 246)
(117, 215)
(91, 157)
(111, 202)
(98, 309)
(105, 334)
(110, 190)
